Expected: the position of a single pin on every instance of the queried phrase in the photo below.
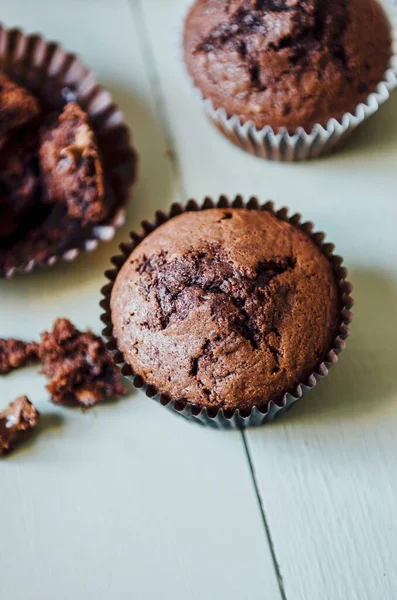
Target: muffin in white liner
(56, 77)
(282, 145)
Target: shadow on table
(378, 133)
(152, 190)
(52, 423)
(366, 375)
(49, 422)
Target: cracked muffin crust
(225, 308)
(287, 63)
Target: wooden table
(128, 501)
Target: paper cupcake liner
(280, 145)
(57, 77)
(218, 417)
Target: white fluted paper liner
(57, 76)
(218, 418)
(322, 140)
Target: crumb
(16, 423)
(17, 106)
(71, 166)
(80, 369)
(15, 354)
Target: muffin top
(225, 308)
(287, 63)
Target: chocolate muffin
(225, 308)
(287, 63)
(66, 162)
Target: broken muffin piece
(71, 166)
(16, 423)
(80, 369)
(17, 106)
(15, 354)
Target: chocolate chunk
(15, 354)
(17, 106)
(80, 369)
(71, 166)
(16, 423)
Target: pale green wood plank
(326, 474)
(124, 501)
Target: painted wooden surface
(129, 501)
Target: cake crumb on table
(80, 370)
(17, 421)
(15, 354)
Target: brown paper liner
(218, 417)
(56, 77)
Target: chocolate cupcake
(226, 313)
(287, 66)
(66, 164)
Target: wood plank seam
(265, 520)
(159, 101)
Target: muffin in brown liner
(57, 77)
(220, 418)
